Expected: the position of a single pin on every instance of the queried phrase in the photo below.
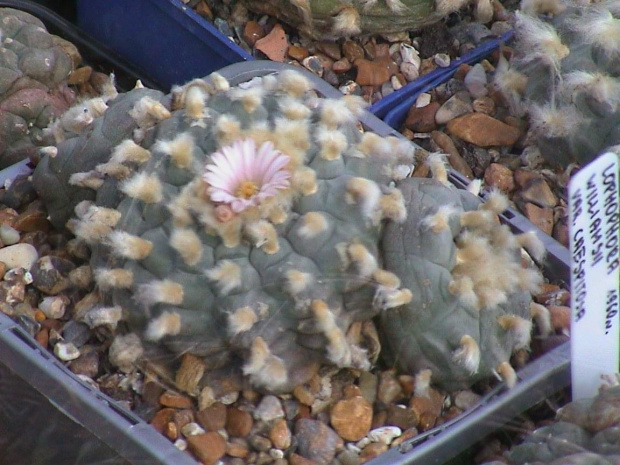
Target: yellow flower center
(246, 190)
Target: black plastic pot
(106, 428)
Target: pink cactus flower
(241, 176)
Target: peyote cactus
(34, 67)
(566, 75)
(586, 431)
(254, 226)
(329, 19)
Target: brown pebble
(352, 418)
(86, 364)
(80, 75)
(238, 447)
(303, 395)
(374, 73)
(212, 418)
(316, 441)
(42, 337)
(401, 416)
(378, 419)
(561, 232)
(422, 119)
(372, 450)
(427, 421)
(8, 216)
(560, 317)
(498, 175)
(341, 66)
(280, 434)
(484, 105)
(183, 417)
(189, 373)
(537, 191)
(274, 45)
(30, 221)
(483, 130)
(252, 32)
(207, 447)
(446, 145)
(462, 71)
(171, 431)
(296, 459)
(175, 400)
(352, 50)
(204, 10)
(162, 418)
(297, 53)
(407, 434)
(541, 217)
(238, 422)
(351, 390)
(388, 389)
(331, 49)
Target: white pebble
(53, 306)
(230, 398)
(192, 429)
(396, 84)
(410, 55)
(410, 71)
(363, 442)
(385, 434)
(180, 444)
(423, 100)
(66, 351)
(476, 81)
(442, 60)
(268, 409)
(8, 235)
(19, 256)
(276, 453)
(353, 448)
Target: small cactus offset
(586, 432)
(566, 76)
(333, 19)
(254, 226)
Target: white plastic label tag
(594, 245)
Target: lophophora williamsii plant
(37, 107)
(333, 19)
(255, 227)
(585, 432)
(566, 76)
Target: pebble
(297, 53)
(423, 99)
(175, 400)
(237, 447)
(316, 441)
(19, 256)
(422, 119)
(207, 447)
(541, 217)
(313, 64)
(498, 175)
(212, 418)
(50, 273)
(537, 191)
(280, 434)
(54, 306)
(476, 81)
(104, 316)
(252, 32)
(466, 399)
(260, 443)
(374, 72)
(401, 416)
(238, 422)
(269, 408)
(191, 429)
(457, 105)
(372, 451)
(352, 418)
(389, 388)
(385, 434)
(8, 235)
(442, 60)
(483, 130)
(76, 333)
(410, 71)
(66, 351)
(274, 45)
(86, 364)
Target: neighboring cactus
(586, 431)
(333, 19)
(33, 84)
(244, 226)
(566, 76)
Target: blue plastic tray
(393, 108)
(165, 39)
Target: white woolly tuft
(542, 7)
(347, 22)
(474, 187)
(143, 186)
(220, 83)
(542, 317)
(365, 193)
(332, 143)
(312, 224)
(422, 384)
(128, 246)
(445, 7)
(304, 180)
(364, 261)
(129, 152)
(180, 149)
(397, 7)
(251, 98)
(187, 243)
(599, 26)
(533, 244)
(113, 278)
(297, 281)
(264, 368)
(147, 112)
(294, 109)
(195, 101)
(507, 374)
(227, 129)
(334, 113)
(166, 324)
(241, 320)
(159, 292)
(227, 274)
(263, 235)
(437, 164)
(90, 180)
(293, 83)
(468, 354)
(541, 41)
(116, 170)
(519, 327)
(440, 220)
(496, 202)
(554, 121)
(602, 87)
(373, 144)
(392, 206)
